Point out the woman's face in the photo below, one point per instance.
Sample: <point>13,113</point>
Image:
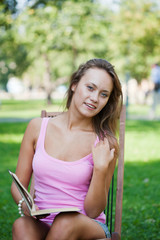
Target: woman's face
<point>92,92</point>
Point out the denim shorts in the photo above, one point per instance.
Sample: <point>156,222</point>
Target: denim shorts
<point>105,228</point>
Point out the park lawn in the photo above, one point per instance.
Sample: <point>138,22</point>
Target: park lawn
<point>27,108</point>
<point>141,206</point>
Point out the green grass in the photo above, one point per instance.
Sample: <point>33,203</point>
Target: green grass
<point>10,138</point>
<point>141,205</point>
<point>27,108</point>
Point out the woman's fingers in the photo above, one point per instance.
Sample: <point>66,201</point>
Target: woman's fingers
<point>102,154</point>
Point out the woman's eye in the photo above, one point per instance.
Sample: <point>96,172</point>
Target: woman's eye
<point>104,95</point>
<point>90,88</point>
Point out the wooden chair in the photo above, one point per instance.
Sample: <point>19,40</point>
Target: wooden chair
<point>116,234</point>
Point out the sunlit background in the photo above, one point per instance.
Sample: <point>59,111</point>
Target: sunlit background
<point>42,42</point>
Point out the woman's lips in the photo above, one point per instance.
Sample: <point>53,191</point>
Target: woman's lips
<point>90,106</point>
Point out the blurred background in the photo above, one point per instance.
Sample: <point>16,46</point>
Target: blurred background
<point>41,43</point>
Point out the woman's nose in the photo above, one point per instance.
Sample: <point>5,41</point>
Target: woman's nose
<point>94,97</point>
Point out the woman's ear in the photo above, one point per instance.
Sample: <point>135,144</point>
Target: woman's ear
<point>73,88</point>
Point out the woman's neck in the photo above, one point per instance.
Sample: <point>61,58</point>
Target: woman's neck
<point>75,121</point>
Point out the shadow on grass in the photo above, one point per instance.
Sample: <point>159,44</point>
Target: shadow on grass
<point>15,128</point>
<point>8,209</point>
<point>10,152</point>
<point>141,205</point>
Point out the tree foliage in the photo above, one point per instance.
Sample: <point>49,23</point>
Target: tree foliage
<point>9,6</point>
<point>135,37</point>
<point>49,39</point>
<point>13,52</point>
<point>59,39</point>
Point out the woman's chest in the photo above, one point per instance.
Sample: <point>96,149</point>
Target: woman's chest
<point>62,173</point>
<point>69,147</point>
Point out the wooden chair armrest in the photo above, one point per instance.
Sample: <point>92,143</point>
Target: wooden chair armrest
<point>116,236</point>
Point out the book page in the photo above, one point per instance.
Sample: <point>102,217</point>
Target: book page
<point>54,210</point>
<point>23,191</point>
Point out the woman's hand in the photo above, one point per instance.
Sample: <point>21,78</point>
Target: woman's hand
<point>102,154</point>
<point>26,211</point>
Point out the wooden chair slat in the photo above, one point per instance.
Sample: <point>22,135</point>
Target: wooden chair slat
<point>120,173</point>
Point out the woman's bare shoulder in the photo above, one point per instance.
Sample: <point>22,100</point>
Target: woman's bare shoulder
<point>33,127</point>
<point>35,123</point>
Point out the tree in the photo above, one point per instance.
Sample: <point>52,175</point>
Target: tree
<point>13,54</point>
<point>135,37</point>
<point>9,6</point>
<point>63,37</point>
<point>49,39</point>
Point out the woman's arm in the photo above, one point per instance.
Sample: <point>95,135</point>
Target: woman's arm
<point>24,165</point>
<point>104,165</point>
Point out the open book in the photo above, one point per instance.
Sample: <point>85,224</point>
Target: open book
<point>30,202</point>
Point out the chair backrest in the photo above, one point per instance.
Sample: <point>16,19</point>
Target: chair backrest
<point>116,234</point>
<point>120,176</point>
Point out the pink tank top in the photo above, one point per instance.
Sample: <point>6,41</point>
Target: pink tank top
<point>59,183</point>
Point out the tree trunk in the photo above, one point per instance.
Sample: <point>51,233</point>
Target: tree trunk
<point>48,82</point>
<point>75,53</point>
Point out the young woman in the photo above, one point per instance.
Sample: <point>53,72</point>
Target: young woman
<point>73,158</point>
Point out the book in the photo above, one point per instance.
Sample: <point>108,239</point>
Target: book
<point>30,202</point>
